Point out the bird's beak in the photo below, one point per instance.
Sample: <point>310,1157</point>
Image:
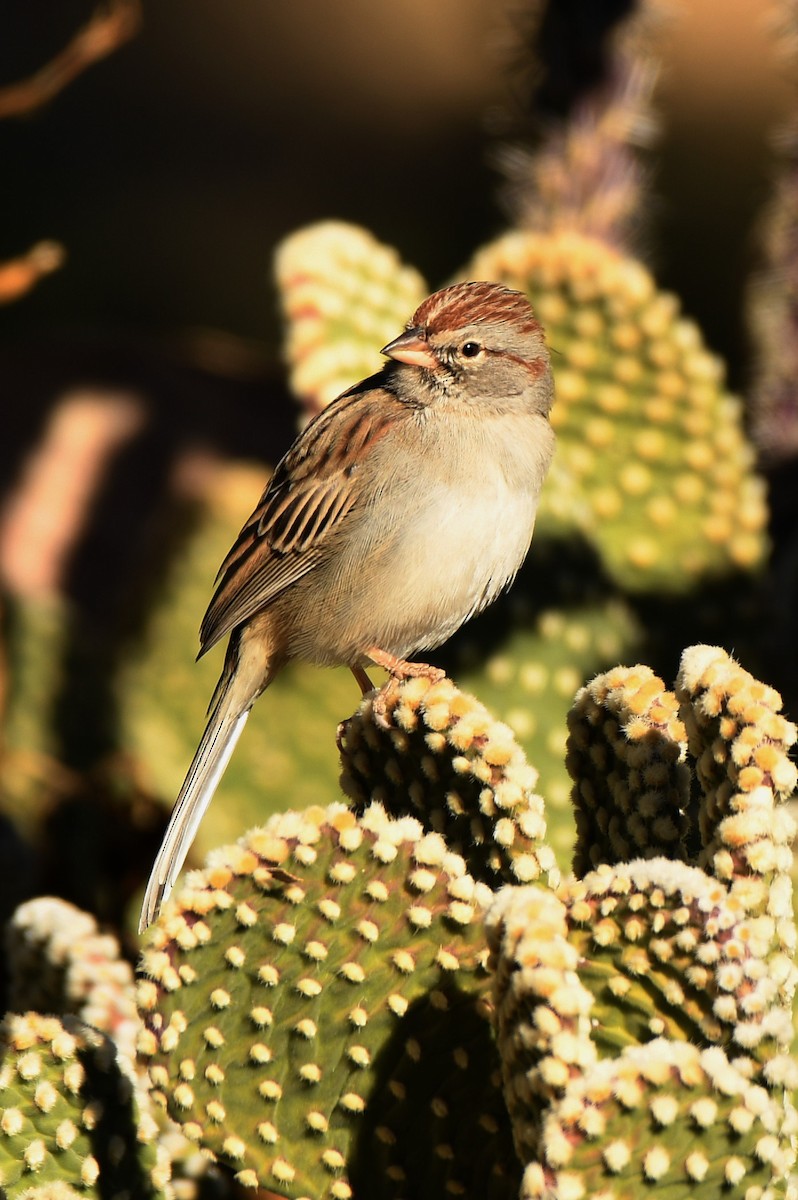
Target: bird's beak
<point>411,347</point>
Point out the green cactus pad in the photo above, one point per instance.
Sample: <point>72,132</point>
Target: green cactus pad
<point>625,754</point>
<point>434,752</point>
<point>59,962</point>
<point>69,1114</point>
<point>594,1112</point>
<point>668,951</point>
<point>664,1117</point>
<point>740,743</point>
<point>652,465</point>
<point>315,991</point>
<point>344,295</point>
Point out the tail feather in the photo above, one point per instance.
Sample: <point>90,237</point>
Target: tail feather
<point>227,719</point>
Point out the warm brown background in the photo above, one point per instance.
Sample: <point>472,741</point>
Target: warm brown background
<point>170,170</point>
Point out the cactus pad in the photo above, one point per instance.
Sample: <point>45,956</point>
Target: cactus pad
<point>436,753</point>
<point>69,1114</point>
<point>317,990</point>
<point>626,754</point>
<point>59,962</point>
<point>653,465</point>
<point>644,1012</point>
<point>344,295</point>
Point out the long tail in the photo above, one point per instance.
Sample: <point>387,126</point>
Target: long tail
<point>230,707</point>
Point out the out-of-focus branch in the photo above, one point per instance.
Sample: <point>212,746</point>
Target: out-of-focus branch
<point>110,27</point>
<point>19,275</point>
<point>773,291</point>
<point>585,174</point>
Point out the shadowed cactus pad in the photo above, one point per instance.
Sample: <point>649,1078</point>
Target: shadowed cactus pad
<point>626,751</point>
<point>69,1114</point>
<point>316,993</point>
<point>436,753</point>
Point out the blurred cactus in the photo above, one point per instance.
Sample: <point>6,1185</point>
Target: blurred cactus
<point>585,173</point>
<point>773,291</point>
<point>341,311</point>
<point>317,1000</point>
<point>163,693</point>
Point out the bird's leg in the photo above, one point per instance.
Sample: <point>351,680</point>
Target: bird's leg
<point>363,681</point>
<point>398,668</point>
<point>366,686</point>
<point>401,669</point>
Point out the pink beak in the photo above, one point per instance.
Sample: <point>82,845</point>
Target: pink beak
<point>411,347</point>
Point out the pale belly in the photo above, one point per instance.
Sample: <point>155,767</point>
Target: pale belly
<point>418,585</point>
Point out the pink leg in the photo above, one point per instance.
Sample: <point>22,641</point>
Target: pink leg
<point>397,668</point>
<point>400,669</point>
<point>363,681</point>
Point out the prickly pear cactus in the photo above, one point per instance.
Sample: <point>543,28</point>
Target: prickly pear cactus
<point>321,1013</point>
<point>344,295</point>
<point>434,752</point>
<point>317,993</point>
<point>59,962</point>
<point>644,1011</point>
<point>69,1114</point>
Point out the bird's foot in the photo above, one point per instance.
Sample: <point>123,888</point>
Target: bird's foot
<point>397,668</point>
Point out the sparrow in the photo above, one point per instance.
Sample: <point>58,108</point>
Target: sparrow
<point>401,510</point>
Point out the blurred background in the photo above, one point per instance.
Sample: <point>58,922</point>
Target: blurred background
<point>143,393</point>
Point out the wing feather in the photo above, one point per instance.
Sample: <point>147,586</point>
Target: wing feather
<point>312,491</point>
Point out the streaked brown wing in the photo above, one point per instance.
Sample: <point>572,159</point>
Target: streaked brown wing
<point>309,495</point>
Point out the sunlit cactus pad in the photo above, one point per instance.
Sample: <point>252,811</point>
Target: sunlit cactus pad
<point>344,296</point>
<point>69,1114</point>
<point>434,752</point>
<point>59,962</point>
<point>653,463</point>
<point>644,1011</point>
<point>316,992</point>
<point>741,744</point>
<point>602,1105</point>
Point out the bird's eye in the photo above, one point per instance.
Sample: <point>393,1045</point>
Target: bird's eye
<point>471,349</point>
